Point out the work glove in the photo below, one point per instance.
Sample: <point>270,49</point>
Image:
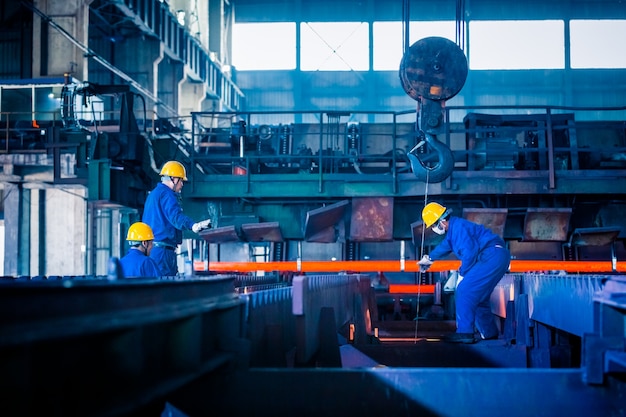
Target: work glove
<point>425,263</point>
<point>453,281</point>
<point>198,227</point>
<point>459,279</point>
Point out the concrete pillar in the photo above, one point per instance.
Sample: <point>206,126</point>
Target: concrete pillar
<point>203,22</point>
<point>190,96</point>
<point>44,230</point>
<point>211,104</point>
<point>37,228</point>
<point>136,57</point>
<point>12,216</point>
<point>53,53</point>
<point>65,231</point>
<point>170,74</point>
<point>221,19</point>
<point>17,237</point>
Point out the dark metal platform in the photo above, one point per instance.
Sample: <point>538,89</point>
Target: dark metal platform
<point>379,392</point>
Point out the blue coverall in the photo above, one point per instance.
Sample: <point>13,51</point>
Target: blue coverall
<point>164,214</point>
<point>484,261</point>
<point>136,264</point>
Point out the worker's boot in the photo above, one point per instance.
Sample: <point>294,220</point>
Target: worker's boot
<point>460,338</point>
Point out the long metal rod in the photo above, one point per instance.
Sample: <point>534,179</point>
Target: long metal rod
<point>397,266</point>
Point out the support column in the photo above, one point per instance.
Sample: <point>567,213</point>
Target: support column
<point>53,54</point>
<point>65,231</point>
<point>170,73</point>
<point>190,97</point>
<point>12,216</point>
<point>137,57</point>
<point>218,12</point>
<point>37,226</point>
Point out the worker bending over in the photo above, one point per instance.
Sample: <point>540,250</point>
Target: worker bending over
<point>484,261</point>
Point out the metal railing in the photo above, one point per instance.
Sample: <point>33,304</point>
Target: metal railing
<point>228,139</point>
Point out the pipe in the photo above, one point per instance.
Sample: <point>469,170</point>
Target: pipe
<point>516,266</point>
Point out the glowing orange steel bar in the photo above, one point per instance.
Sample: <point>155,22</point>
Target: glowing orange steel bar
<point>409,266</point>
<point>411,289</point>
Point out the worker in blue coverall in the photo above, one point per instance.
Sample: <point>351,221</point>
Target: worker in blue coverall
<point>484,261</point>
<point>163,211</point>
<point>137,262</point>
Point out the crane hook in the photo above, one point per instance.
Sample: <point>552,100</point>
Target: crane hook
<point>432,70</point>
<point>435,164</point>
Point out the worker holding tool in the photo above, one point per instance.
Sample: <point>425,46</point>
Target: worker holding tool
<point>484,261</point>
<point>137,262</point>
<point>164,213</point>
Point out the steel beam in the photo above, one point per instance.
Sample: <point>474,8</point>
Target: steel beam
<point>87,346</point>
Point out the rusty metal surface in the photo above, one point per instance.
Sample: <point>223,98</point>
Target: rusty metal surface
<point>371,219</point>
<point>594,236</point>
<point>221,235</point>
<point>434,68</point>
<point>492,218</point>
<point>262,232</point>
<point>613,215</point>
<point>547,224</point>
<point>326,224</point>
<point>536,250</point>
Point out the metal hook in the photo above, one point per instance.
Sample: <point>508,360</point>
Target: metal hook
<point>423,169</point>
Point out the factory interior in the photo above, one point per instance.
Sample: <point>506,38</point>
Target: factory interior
<point>314,134</point>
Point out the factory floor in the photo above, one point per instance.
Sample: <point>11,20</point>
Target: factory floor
<point>419,344</point>
<point>399,373</point>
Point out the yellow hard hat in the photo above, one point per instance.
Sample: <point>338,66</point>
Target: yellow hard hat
<point>138,232</point>
<point>432,213</point>
<point>174,169</point>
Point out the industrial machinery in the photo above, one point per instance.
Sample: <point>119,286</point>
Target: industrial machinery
<point>326,144</point>
<point>111,147</point>
<point>93,126</point>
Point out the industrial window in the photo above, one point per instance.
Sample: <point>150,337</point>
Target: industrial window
<point>597,43</point>
<point>516,44</point>
<point>388,40</point>
<point>334,46</point>
<point>264,46</point>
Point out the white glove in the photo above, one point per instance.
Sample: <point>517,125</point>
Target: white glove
<point>459,279</point>
<point>205,224</point>
<point>425,263</point>
<point>453,281</point>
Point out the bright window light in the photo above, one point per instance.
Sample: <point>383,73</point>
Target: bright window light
<point>388,46</point>
<point>264,46</point>
<point>516,44</point>
<point>597,43</point>
<point>334,46</point>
